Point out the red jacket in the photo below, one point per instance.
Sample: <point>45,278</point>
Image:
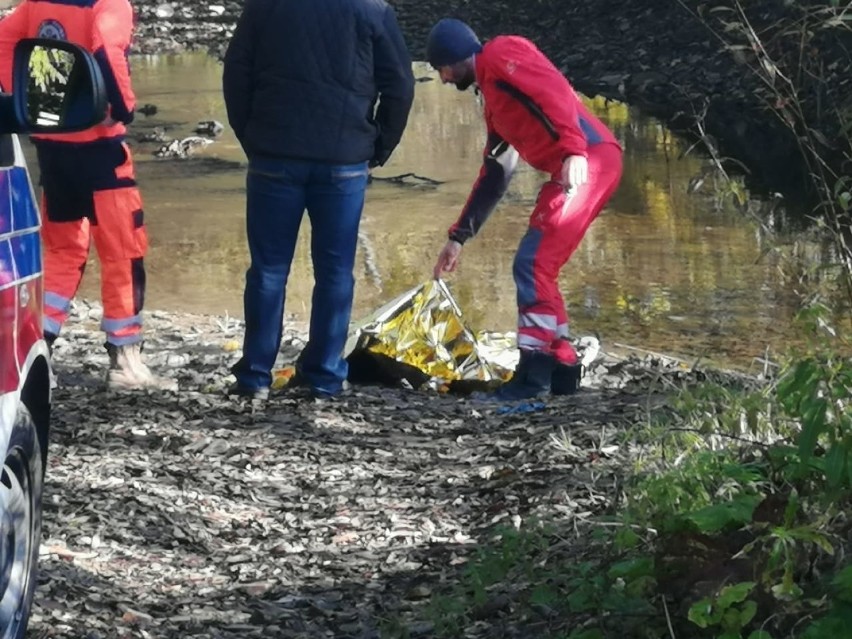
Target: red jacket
<point>531,106</point>
<point>103,27</point>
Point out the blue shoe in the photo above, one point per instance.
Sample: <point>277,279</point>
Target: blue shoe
<point>521,408</point>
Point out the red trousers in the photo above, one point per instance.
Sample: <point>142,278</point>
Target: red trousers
<point>114,220</point>
<point>556,226</point>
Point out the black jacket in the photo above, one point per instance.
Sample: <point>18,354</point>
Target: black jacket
<point>323,80</point>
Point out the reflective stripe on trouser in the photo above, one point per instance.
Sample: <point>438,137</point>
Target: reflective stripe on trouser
<point>120,240</point>
<point>556,227</point>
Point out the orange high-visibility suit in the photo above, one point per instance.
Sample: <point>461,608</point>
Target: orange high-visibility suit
<point>88,180</point>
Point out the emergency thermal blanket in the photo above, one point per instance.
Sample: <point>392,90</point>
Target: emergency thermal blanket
<point>424,330</point>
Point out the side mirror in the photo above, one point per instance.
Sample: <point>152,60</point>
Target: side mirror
<point>58,87</point>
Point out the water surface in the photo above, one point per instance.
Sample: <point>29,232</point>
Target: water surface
<point>660,269</point>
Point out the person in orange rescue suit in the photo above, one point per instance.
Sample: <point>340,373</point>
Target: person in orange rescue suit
<point>88,182</point>
<point>531,111</point>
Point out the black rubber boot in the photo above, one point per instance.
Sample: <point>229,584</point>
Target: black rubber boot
<point>532,377</point>
<point>49,338</point>
<point>566,379</point>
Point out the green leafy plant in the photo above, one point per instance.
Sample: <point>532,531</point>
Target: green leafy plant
<point>816,392</point>
<point>708,490</point>
<point>839,618</point>
<point>731,610</point>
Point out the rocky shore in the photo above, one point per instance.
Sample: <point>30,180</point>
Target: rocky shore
<point>190,514</point>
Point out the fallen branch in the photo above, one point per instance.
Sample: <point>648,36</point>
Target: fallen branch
<point>406,180</point>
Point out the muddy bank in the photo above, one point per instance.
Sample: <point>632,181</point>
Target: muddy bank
<point>657,56</point>
<point>191,515</point>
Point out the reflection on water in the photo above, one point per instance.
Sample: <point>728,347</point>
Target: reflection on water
<point>659,268</point>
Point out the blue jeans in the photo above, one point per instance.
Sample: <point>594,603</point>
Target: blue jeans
<point>277,194</point>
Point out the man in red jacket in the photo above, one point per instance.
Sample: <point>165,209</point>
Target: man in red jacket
<point>531,111</point>
<point>89,183</point>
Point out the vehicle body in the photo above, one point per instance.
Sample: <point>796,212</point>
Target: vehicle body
<point>77,100</point>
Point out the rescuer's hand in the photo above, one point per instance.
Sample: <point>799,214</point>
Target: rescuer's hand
<point>448,260</point>
<point>575,171</point>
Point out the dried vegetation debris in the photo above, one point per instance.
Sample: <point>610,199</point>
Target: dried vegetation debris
<point>194,515</point>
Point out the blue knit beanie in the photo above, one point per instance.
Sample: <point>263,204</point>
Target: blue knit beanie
<point>450,41</point>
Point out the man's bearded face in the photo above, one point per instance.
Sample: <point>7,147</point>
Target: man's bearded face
<point>461,74</point>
